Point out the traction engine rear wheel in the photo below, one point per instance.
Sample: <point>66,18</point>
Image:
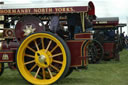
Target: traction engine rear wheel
<point>43,58</point>
<point>1,68</point>
<point>95,51</point>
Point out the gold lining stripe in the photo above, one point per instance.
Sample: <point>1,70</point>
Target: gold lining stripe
<point>82,34</point>
<point>103,26</point>
<point>6,52</point>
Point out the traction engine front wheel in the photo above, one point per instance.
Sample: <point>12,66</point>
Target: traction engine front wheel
<point>43,58</point>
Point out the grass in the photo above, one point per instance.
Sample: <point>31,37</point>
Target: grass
<point>106,73</point>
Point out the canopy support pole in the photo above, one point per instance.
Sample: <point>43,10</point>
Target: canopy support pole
<point>83,21</point>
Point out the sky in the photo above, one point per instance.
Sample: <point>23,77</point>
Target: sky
<point>113,8</point>
<point>104,8</point>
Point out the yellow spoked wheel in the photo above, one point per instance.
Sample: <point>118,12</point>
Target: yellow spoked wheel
<point>1,68</point>
<point>43,58</point>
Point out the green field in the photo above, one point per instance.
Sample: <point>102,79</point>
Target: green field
<point>106,73</point>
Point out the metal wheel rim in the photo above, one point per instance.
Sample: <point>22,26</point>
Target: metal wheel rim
<point>27,73</point>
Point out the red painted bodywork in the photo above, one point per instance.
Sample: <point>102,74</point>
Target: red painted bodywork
<point>76,52</point>
<point>83,36</point>
<point>9,49</point>
<point>9,46</point>
<point>10,54</point>
<point>109,50</point>
<point>27,21</point>
<point>78,49</point>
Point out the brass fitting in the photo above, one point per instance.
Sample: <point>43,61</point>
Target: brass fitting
<point>0,45</point>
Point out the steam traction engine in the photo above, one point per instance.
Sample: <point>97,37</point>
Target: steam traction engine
<point>41,56</point>
<point>107,33</point>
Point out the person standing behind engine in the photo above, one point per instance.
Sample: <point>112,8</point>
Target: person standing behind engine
<point>88,25</point>
<point>54,23</point>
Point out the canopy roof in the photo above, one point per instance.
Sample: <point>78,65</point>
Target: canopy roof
<point>13,7</point>
<point>106,22</point>
<point>107,19</point>
<point>17,4</point>
<point>122,25</point>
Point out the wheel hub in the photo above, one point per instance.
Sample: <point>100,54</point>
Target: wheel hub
<point>42,58</point>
